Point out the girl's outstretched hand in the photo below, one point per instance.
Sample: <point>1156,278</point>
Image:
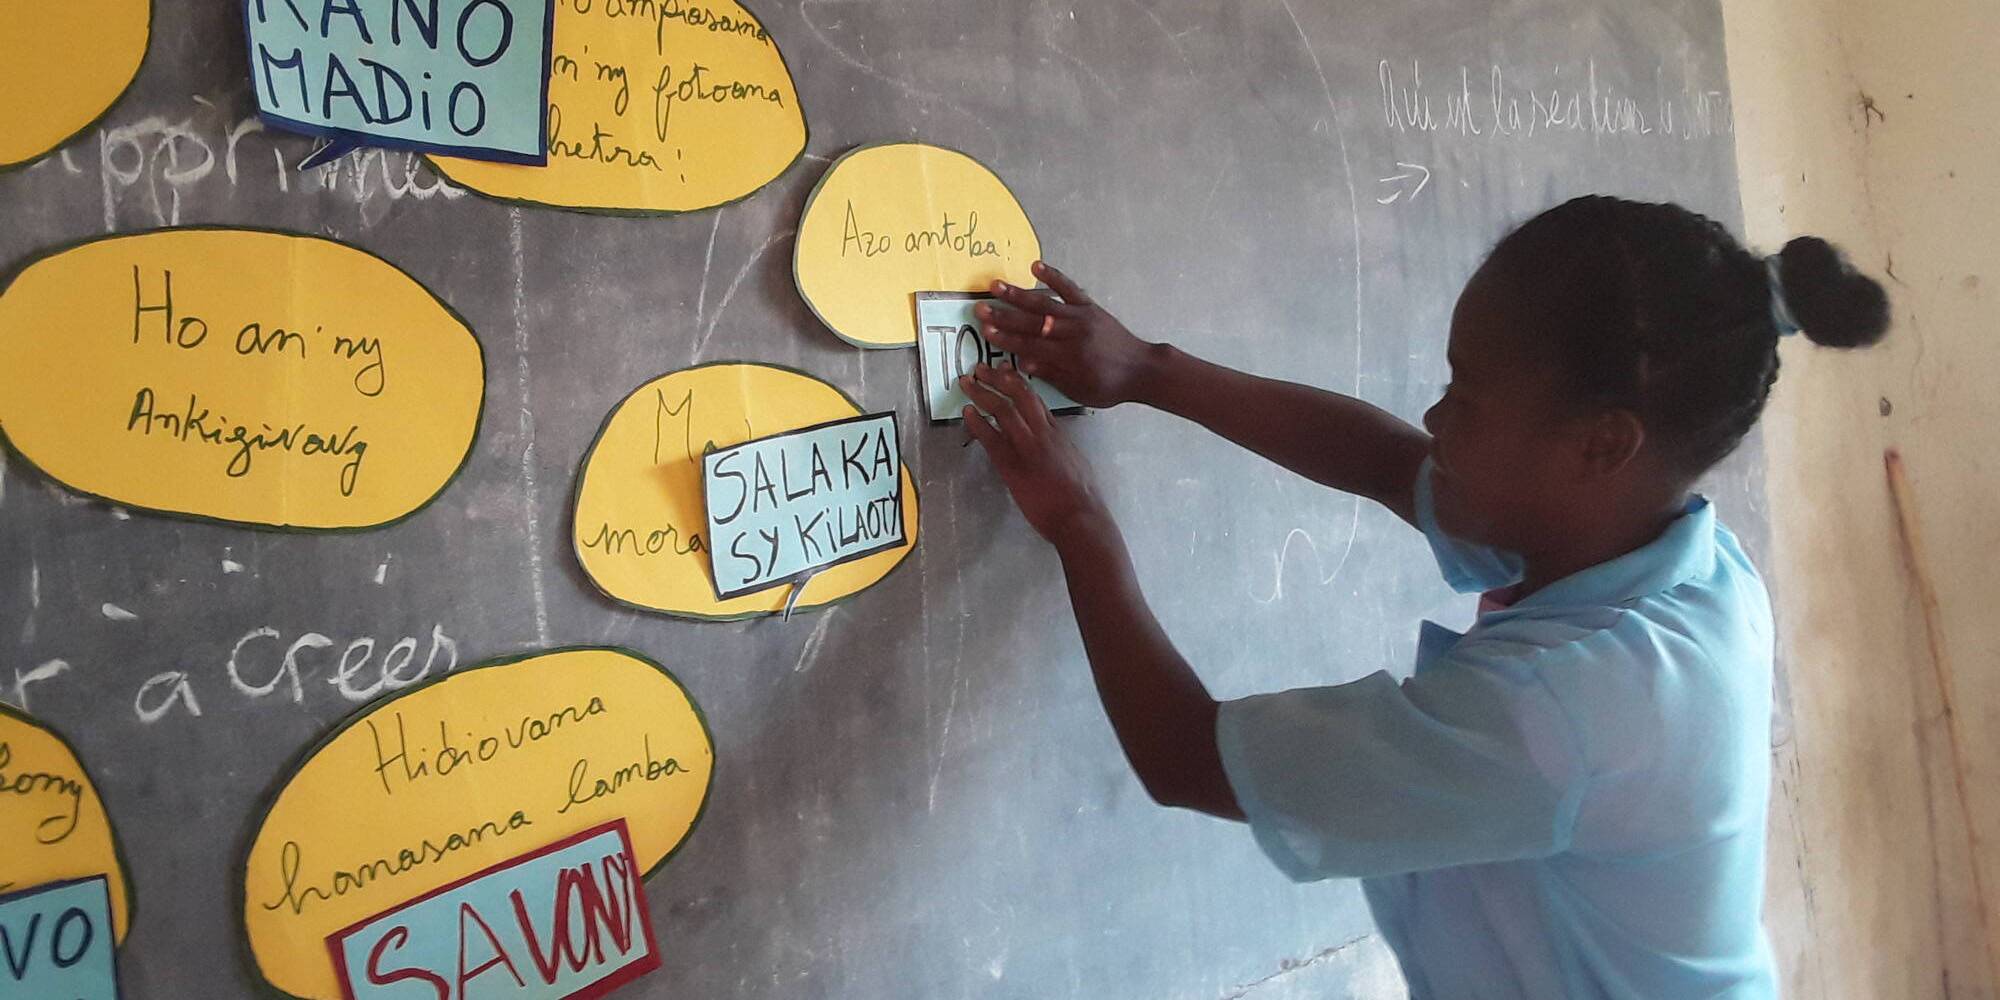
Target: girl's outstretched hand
<point>1070,341</point>
<point>1044,472</point>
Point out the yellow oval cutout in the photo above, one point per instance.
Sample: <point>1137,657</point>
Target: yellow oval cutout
<point>889,221</point>
<point>239,375</point>
<point>62,66</point>
<point>448,778</point>
<point>52,823</point>
<point>639,528</point>
<point>654,107</point>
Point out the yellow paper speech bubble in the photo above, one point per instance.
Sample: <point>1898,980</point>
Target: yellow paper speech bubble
<point>52,823</point>
<point>240,375</point>
<point>62,66</point>
<point>889,221</point>
<point>640,527</point>
<point>457,774</point>
<point>654,106</point>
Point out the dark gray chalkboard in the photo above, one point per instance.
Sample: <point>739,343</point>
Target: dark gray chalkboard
<point>917,793</point>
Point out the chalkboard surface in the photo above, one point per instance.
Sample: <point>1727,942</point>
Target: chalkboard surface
<point>915,791</point>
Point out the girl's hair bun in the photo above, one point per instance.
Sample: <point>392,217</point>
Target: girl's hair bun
<point>1835,305</point>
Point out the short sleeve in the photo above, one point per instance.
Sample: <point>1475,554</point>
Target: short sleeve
<point>1471,761</point>
<point>1469,568</point>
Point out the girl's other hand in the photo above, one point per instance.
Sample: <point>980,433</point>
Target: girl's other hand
<point>1046,475</point>
<point>1071,342</point>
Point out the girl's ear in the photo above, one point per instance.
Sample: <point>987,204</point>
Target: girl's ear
<point>1611,439</point>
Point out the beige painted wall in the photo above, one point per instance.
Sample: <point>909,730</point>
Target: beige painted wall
<point>1872,123</point>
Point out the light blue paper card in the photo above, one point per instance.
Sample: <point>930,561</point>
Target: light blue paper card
<point>783,507</point>
<point>568,920</point>
<point>56,940</point>
<point>950,344</point>
<point>465,77</point>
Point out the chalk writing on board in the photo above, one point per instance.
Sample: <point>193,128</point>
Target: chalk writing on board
<point>465,76</point>
<point>238,375</point>
<point>1411,181</point>
<point>58,942</point>
<point>1498,102</point>
<point>265,663</point>
<point>793,503</point>
<point>565,920</point>
<point>146,168</point>
<point>363,669</point>
<point>445,780</point>
<point>950,346</point>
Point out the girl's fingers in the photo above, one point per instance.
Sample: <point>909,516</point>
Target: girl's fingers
<point>1009,319</point>
<point>1071,292</point>
<point>1064,328</point>
<point>995,446</point>
<point>1027,403</point>
<point>1026,346</point>
<point>1030,300</point>
<point>995,405</point>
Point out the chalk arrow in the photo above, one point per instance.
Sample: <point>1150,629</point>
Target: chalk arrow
<point>1421,173</point>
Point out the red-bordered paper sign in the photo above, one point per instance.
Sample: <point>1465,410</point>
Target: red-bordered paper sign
<point>565,922</point>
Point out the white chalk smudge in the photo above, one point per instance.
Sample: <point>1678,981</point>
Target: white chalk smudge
<point>117,614</point>
<point>1285,551</point>
<point>707,264</point>
<point>47,670</point>
<point>958,653</point>
<point>531,506</point>
<point>1354,225</point>
<point>730,292</point>
<point>813,641</point>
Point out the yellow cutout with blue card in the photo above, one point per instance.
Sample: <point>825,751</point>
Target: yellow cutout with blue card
<point>453,76</point>
<point>564,921</point>
<point>640,529</point>
<point>783,507</point>
<point>54,827</point>
<point>654,107</point>
<point>440,783</point>
<point>56,941</point>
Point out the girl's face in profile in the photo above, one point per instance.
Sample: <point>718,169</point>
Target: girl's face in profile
<point>1503,446</point>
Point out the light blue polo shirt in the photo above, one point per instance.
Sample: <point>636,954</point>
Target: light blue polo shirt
<point>1566,801</point>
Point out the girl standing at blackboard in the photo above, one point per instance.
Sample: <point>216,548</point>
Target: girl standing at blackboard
<point>1568,799</point>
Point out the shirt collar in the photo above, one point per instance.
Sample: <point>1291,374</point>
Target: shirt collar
<point>1682,552</point>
